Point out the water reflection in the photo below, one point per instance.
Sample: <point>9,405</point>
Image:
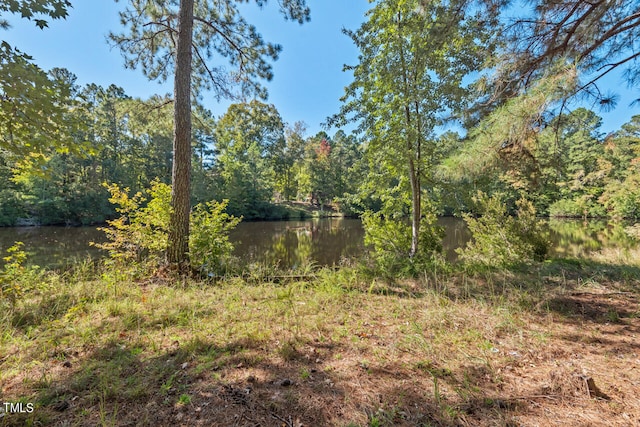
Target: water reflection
<point>456,235</point>
<point>294,244</point>
<point>576,239</point>
<point>53,246</point>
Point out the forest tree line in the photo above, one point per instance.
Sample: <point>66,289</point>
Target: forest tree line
<point>514,84</point>
<point>248,156</point>
<point>256,161</point>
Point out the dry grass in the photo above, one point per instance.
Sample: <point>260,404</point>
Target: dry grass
<point>557,345</point>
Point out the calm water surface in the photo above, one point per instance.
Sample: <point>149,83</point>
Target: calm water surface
<point>291,244</point>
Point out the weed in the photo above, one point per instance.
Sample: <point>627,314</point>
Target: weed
<point>436,390</point>
<point>167,386</point>
<point>106,419</point>
<point>305,374</point>
<point>384,416</point>
<point>184,399</point>
<point>288,351</point>
<point>613,316</point>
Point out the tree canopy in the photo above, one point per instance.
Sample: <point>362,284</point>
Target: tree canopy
<point>33,104</point>
<point>221,36</point>
<point>37,11</point>
<point>595,37</point>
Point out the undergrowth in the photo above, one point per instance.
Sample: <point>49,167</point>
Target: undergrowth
<point>113,339</point>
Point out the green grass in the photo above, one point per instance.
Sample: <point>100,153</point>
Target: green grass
<point>113,340</point>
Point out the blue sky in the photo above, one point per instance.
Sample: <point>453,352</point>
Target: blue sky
<point>308,78</point>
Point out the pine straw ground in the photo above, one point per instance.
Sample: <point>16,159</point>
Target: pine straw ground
<point>556,345</point>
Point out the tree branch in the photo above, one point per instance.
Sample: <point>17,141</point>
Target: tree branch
<point>214,80</point>
<point>612,32</point>
<point>231,43</point>
<point>611,66</point>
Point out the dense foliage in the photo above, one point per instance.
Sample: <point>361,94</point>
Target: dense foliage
<point>568,168</point>
<point>502,240</point>
<point>141,232</point>
<point>403,86</point>
<point>253,162</point>
<point>520,132</point>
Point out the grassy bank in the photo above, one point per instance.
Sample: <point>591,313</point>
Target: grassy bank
<point>553,345</point>
<point>302,210</point>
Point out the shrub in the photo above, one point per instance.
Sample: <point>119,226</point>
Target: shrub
<point>209,245</point>
<point>581,207</point>
<point>141,232</point>
<point>10,289</point>
<point>390,241</point>
<point>15,278</point>
<point>500,240</point>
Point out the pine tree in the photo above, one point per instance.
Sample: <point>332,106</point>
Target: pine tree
<point>192,39</point>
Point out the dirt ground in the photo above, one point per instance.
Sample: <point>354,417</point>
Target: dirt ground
<point>573,359</point>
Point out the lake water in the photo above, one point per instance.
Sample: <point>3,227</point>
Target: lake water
<point>294,243</point>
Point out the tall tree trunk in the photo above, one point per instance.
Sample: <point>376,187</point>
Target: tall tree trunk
<point>412,158</point>
<point>416,190</point>
<point>178,245</point>
<point>416,213</point>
